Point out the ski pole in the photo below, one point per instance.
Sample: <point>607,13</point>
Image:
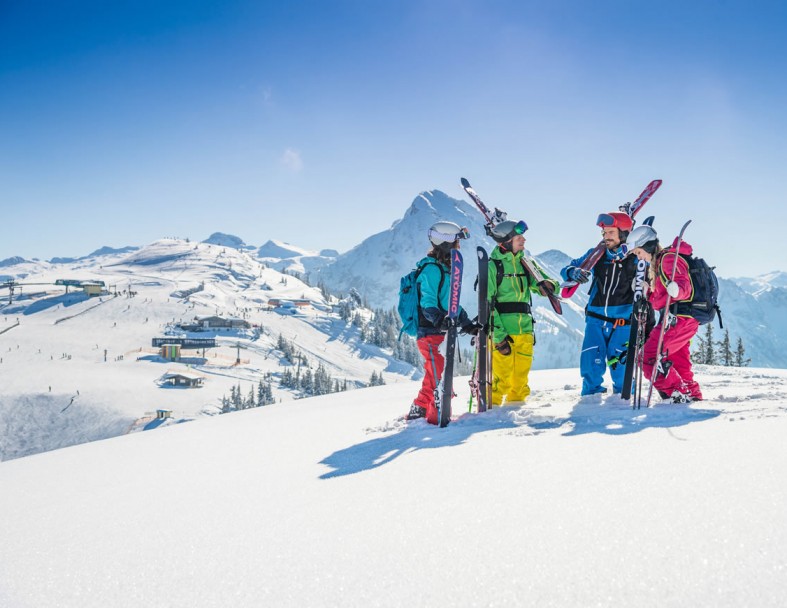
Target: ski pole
<point>666,317</point>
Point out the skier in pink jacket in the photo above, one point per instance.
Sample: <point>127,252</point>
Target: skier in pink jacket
<point>675,378</point>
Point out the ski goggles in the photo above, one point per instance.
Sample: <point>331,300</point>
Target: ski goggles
<point>520,227</point>
<point>511,230</point>
<point>463,233</point>
<point>605,220</point>
<point>614,220</point>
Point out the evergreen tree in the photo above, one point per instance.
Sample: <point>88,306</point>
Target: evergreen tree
<point>697,355</point>
<point>264,392</point>
<point>287,380</point>
<point>345,310</point>
<point>306,383</point>
<point>725,354</point>
<point>709,354</point>
<point>322,380</point>
<point>238,398</point>
<point>376,379</point>
<point>740,355</point>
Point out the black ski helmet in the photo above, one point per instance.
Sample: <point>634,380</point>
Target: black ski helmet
<point>505,231</point>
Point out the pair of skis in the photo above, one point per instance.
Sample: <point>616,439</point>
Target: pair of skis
<point>445,388</point>
<point>479,384</point>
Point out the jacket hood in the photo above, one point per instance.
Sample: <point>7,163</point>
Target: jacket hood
<point>685,248</point>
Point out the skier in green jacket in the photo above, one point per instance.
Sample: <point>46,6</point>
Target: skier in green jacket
<point>510,293</point>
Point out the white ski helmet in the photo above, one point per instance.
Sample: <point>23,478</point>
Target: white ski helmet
<point>446,233</point>
<point>643,236</point>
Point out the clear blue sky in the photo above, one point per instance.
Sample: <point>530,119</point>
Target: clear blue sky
<point>318,122</point>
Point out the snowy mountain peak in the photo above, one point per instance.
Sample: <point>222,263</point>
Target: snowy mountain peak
<point>437,205</point>
<point>226,240</point>
<point>281,250</point>
<point>763,283</point>
<point>13,261</point>
<point>106,250</point>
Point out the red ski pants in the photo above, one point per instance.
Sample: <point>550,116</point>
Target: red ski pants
<point>676,346</point>
<point>434,363</point>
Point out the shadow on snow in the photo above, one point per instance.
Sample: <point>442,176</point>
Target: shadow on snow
<point>622,420</point>
<point>584,418</point>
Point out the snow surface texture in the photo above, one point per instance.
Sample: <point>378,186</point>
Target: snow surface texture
<point>335,501</point>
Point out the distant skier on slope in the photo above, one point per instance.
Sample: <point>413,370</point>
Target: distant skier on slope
<point>510,293</point>
<point>675,379</point>
<point>608,312</point>
<point>433,289</point>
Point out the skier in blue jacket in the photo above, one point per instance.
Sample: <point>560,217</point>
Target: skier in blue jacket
<point>608,313</point>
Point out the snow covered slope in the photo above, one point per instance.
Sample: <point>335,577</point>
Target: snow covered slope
<point>75,368</point>
<point>333,501</point>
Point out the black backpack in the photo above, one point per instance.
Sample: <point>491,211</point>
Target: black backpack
<point>703,305</point>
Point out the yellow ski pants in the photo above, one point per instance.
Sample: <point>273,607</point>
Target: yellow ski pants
<point>510,372</point>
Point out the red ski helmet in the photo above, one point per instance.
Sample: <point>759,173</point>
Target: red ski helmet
<point>616,219</point>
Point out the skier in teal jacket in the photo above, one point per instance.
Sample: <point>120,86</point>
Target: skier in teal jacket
<point>433,294</point>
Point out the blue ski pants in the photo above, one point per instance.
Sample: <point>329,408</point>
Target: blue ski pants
<point>603,341</point>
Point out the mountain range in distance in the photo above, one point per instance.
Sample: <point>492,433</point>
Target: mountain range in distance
<point>753,307</point>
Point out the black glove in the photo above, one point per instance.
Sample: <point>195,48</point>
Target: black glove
<point>504,346</point>
<point>445,323</point>
<point>580,275</point>
<point>472,328</point>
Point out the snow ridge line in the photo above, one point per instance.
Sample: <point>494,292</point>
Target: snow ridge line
<point>60,320</point>
<point>9,328</point>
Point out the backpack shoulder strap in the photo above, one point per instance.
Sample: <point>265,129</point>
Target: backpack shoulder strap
<point>663,273</point>
<point>439,287</point>
<point>500,270</point>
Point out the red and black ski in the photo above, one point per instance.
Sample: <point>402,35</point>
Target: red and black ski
<point>492,219</point>
<point>569,287</point>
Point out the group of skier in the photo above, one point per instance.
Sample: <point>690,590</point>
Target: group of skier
<point>608,314</point>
